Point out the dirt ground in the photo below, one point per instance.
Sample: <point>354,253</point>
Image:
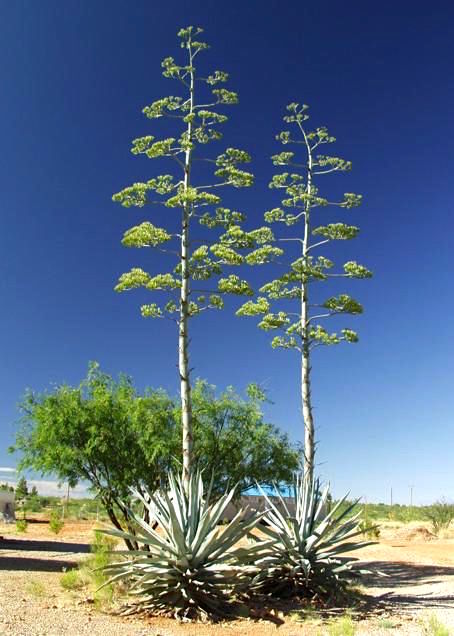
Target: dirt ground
<point>419,584</point>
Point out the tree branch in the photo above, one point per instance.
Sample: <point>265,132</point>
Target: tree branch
<point>318,244</point>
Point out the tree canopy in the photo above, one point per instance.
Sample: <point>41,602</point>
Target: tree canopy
<point>106,433</point>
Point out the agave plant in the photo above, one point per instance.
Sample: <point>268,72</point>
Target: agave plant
<point>188,565</point>
<point>306,555</point>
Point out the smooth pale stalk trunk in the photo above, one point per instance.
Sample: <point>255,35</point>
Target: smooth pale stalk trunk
<point>183,339</point>
<point>309,434</point>
<point>306,399</point>
<point>183,364</point>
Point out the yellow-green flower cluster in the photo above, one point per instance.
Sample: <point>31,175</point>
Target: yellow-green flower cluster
<point>145,235</point>
<point>336,231</point>
<point>234,285</point>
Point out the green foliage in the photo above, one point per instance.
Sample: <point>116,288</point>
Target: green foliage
<point>102,554</point>
<point>320,335</point>
<point>299,199</point>
<point>369,529</point>
<point>263,255</point>
<point>89,573</point>
<point>33,503</point>
<point>196,116</point>
<point>222,217</point>
<point>376,512</point>
<point>234,285</point>
<point>21,525</point>
<point>36,589</point>
<point>353,270</point>
<point>325,161</point>
<point>21,489</point>
<point>343,626</point>
<point>192,568</point>
<point>91,431</point>
<point>307,554</point>
<point>251,308</point>
<point>71,580</point>
<point>145,235</point>
<point>440,515</point>
<point>133,279</point>
<point>56,522</point>
<point>274,321</point>
<point>151,311</point>
<point>235,445</point>
<point>336,231</point>
<point>433,627</point>
<point>343,304</point>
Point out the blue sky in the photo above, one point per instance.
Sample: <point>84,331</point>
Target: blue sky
<point>75,77</point>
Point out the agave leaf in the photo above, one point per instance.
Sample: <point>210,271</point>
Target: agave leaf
<point>176,496</point>
<point>306,548</point>
<point>175,526</point>
<point>322,502</point>
<point>153,539</point>
<point>193,567</point>
<point>214,544</point>
<point>130,553</point>
<point>209,521</point>
<point>117,577</point>
<point>274,516</point>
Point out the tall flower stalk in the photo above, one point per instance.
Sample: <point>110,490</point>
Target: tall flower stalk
<point>197,260</point>
<point>301,329</point>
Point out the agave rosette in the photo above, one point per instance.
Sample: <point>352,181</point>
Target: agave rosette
<point>307,552</point>
<point>188,565</point>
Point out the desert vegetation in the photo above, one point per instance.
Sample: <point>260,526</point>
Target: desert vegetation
<point>165,472</point>
<point>167,504</point>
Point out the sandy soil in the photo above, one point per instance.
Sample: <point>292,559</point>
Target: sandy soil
<point>419,582</point>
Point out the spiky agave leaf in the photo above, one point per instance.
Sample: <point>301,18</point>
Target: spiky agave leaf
<point>307,553</point>
<point>192,567</point>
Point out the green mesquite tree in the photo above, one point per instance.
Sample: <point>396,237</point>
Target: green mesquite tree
<point>197,117</point>
<point>300,329</point>
<point>22,489</point>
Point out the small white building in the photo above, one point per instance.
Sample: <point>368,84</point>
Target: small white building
<point>7,506</point>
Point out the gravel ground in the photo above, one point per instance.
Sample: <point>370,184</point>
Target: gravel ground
<point>419,583</point>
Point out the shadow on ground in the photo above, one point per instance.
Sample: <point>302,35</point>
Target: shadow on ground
<point>401,581</point>
<point>11,560</point>
<point>29,545</point>
<point>25,564</point>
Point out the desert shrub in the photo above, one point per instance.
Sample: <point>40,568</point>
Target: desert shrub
<point>369,529</point>
<point>440,515</point>
<point>21,525</point>
<point>36,589</point>
<point>433,627</point>
<point>343,626</point>
<point>91,570</point>
<point>56,523</point>
<point>33,504</point>
<point>90,573</point>
<point>101,552</point>
<point>72,580</point>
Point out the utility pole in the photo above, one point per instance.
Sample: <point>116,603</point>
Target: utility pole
<point>391,498</point>
<point>411,495</point>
